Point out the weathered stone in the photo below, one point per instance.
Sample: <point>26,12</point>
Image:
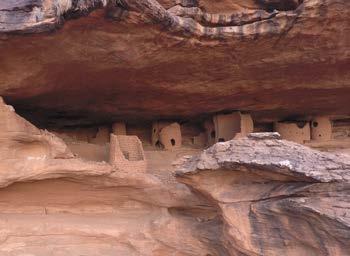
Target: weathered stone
<point>97,66</point>
<point>275,197</point>
<point>53,203</point>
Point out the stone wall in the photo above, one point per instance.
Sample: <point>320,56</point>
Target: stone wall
<point>126,152</point>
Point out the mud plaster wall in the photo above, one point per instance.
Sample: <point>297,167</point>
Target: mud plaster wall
<point>131,147</point>
<point>227,126</point>
<point>170,136</point>
<point>142,131</point>
<point>293,132</point>
<point>126,152</point>
<point>247,124</point>
<point>321,128</point>
<point>224,127</point>
<point>76,134</point>
<point>102,135</point>
<point>190,130</point>
<point>156,128</point>
<point>200,140</point>
<point>210,132</point>
<point>89,151</point>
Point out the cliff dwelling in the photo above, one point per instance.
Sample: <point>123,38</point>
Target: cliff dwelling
<point>294,131</point>
<point>174,127</point>
<point>228,126</point>
<point>126,152</point>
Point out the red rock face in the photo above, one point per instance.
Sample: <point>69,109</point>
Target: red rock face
<point>253,195</point>
<point>75,66</point>
<point>95,69</point>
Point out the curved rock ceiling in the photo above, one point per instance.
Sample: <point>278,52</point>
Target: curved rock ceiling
<point>143,60</point>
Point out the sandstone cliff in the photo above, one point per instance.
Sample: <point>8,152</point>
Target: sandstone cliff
<point>107,146</point>
<point>275,197</point>
<point>151,59</point>
<point>252,196</point>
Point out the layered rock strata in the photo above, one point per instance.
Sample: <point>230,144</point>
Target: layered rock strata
<point>151,60</point>
<point>257,195</point>
<point>275,197</point>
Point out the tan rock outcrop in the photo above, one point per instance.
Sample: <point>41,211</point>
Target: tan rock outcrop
<point>20,139</point>
<point>255,195</point>
<point>53,203</point>
<point>143,60</point>
<point>275,197</point>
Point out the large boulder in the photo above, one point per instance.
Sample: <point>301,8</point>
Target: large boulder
<point>275,197</point>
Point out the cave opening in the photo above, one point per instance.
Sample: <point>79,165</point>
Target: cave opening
<point>279,5</point>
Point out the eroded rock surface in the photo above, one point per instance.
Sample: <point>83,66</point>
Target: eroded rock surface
<point>53,203</point>
<point>257,195</point>
<point>144,60</point>
<point>275,197</point>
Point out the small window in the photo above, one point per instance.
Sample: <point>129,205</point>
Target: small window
<point>172,142</point>
<point>314,124</point>
<point>212,134</point>
<point>221,140</point>
<point>301,124</point>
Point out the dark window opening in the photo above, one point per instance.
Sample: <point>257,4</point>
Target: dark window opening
<point>314,124</point>
<point>212,134</point>
<point>154,130</point>
<point>126,155</point>
<point>159,145</point>
<point>172,142</point>
<point>301,124</point>
<point>221,140</point>
<point>280,5</point>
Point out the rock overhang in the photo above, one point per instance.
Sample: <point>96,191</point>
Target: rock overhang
<point>95,68</point>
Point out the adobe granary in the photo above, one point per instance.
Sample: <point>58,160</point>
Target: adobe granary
<point>166,135</point>
<point>126,152</point>
<point>321,128</point>
<point>170,136</point>
<point>156,128</point>
<point>229,126</point>
<point>200,140</point>
<point>293,130</point>
<point>210,132</point>
<point>119,128</point>
<point>102,135</point>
